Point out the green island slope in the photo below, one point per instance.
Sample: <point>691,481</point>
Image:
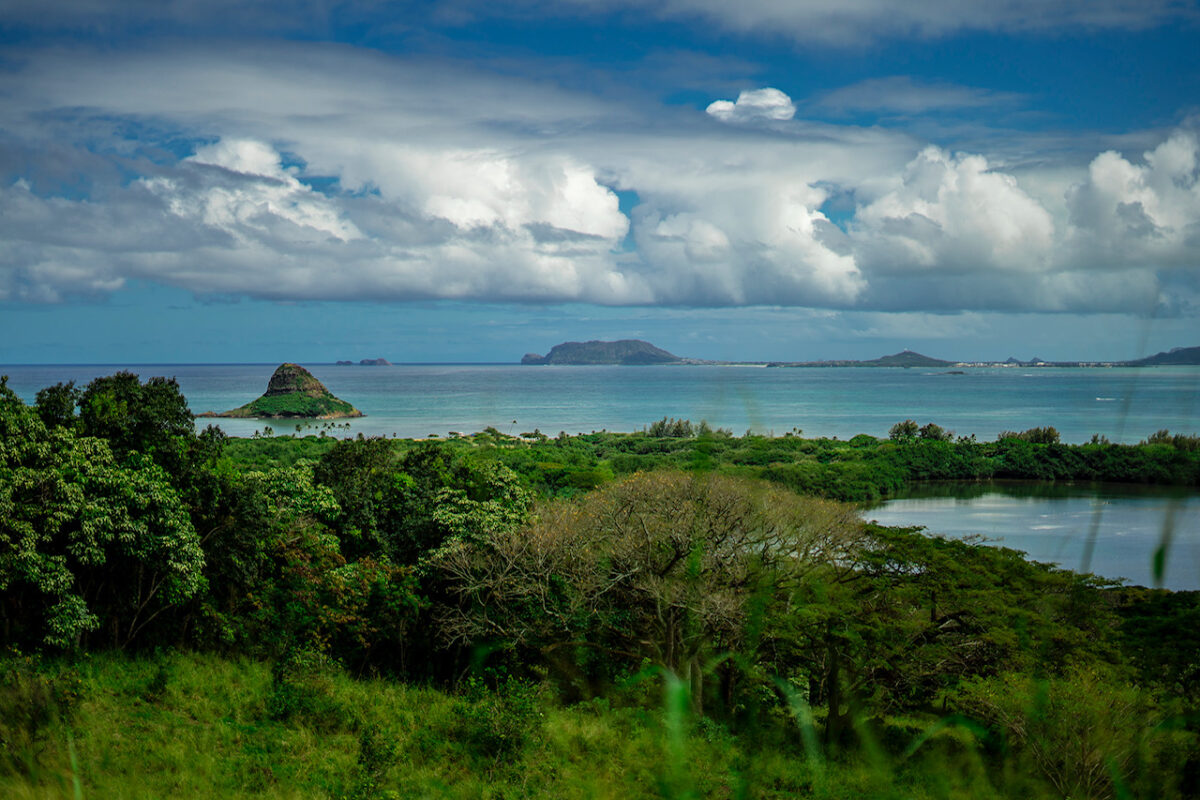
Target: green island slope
<point>293,392</point>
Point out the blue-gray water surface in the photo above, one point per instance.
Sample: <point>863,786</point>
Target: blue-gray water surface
<point>1108,530</point>
<point>1124,404</point>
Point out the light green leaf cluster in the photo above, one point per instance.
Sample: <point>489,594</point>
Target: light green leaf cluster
<point>469,519</point>
<point>291,493</point>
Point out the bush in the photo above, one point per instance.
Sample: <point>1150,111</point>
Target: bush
<point>32,700</point>
<point>905,431</point>
<point>377,752</point>
<point>497,723</point>
<point>1047,435</point>
<point>935,432</point>
<point>1086,734</point>
<point>303,689</point>
<point>1179,441</point>
<point>672,429</point>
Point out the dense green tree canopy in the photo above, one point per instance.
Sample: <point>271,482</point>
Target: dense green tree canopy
<point>86,544</point>
<point>151,418</point>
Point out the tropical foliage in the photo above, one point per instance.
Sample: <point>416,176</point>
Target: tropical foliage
<point>496,610</point>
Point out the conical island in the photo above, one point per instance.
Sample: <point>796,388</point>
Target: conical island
<point>293,392</point>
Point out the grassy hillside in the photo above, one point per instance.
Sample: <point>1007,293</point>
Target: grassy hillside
<point>596,616</point>
<point>202,726</point>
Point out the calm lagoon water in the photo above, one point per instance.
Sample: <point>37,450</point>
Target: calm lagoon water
<point>1108,530</point>
<point>1126,405</point>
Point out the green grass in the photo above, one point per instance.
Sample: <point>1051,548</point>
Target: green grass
<point>197,726</point>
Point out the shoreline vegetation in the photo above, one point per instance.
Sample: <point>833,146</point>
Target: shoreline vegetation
<point>677,612</point>
<point>862,469</point>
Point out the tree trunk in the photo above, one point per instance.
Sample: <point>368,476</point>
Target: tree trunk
<point>833,693</point>
<point>697,684</point>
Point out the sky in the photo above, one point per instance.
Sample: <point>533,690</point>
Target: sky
<point>200,181</point>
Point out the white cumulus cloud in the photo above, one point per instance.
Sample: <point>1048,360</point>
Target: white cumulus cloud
<point>754,104</point>
<point>952,213</point>
<point>326,173</point>
<point>1128,213</point>
<point>259,199</point>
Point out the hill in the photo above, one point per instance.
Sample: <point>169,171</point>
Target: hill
<point>293,392</point>
<point>625,351</point>
<point>1179,356</point>
<point>907,358</point>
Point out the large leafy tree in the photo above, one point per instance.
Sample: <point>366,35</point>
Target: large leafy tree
<point>88,546</point>
<point>405,507</point>
<point>56,404</point>
<point>151,418</point>
<point>279,577</point>
<point>672,569</point>
<point>710,576</point>
<point>899,625</point>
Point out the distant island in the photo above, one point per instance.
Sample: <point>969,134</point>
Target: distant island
<point>905,358</point>
<point>625,351</point>
<point>1179,356</point>
<point>367,362</point>
<point>638,352</point>
<point>293,392</point>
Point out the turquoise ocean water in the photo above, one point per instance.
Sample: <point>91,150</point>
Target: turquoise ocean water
<point>1126,405</point>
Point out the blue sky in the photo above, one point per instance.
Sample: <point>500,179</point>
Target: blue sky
<point>214,181</point>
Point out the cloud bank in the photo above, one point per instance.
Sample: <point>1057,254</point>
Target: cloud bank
<point>326,173</point>
<point>858,21</point>
<point>900,94</point>
<point>838,22</point>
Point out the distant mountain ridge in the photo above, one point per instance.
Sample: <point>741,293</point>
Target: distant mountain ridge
<point>624,351</point>
<point>637,351</point>
<point>1179,356</point>
<point>905,358</point>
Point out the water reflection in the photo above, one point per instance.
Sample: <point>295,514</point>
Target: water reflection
<point>1114,531</point>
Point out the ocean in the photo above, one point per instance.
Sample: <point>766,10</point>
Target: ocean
<point>419,400</point>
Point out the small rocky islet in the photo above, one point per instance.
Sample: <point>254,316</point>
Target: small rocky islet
<point>292,393</point>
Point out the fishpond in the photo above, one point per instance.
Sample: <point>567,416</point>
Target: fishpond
<point>1113,531</point>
